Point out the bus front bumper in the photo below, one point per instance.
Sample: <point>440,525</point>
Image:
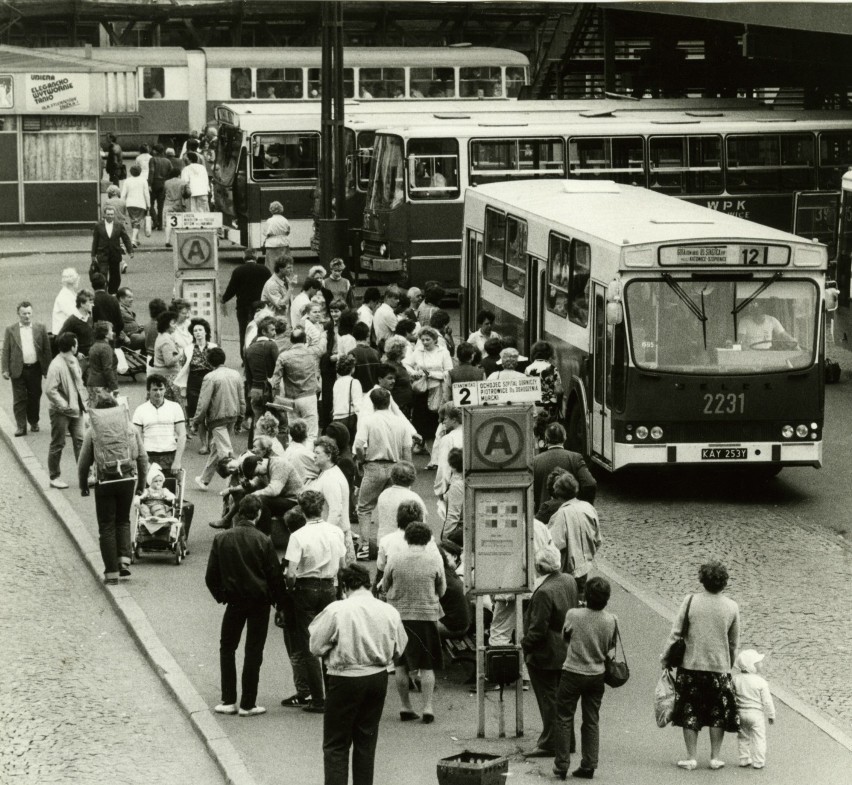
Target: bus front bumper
<point>801,453</point>
<point>381,264</point>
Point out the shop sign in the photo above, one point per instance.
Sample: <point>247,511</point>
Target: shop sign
<point>57,92</point>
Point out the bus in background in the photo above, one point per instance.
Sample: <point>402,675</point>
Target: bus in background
<point>179,89</point>
<point>682,335</point>
<point>844,240</point>
<point>777,168</point>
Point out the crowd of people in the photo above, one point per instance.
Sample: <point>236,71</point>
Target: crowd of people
<point>336,400</point>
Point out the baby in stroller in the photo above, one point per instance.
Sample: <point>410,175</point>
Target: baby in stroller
<point>159,519</point>
<point>156,501</point>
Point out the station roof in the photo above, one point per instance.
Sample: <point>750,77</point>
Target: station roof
<point>16,59</point>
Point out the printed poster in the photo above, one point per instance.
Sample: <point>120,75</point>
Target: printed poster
<point>57,92</point>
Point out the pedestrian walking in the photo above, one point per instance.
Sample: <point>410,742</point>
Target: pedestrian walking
<point>166,361</point>
<point>754,706</point>
<point>367,359</point>
<point>114,160</point>
<point>555,455</point>
<point>385,318</point>
<point>333,486</point>
<point>162,426</point>
<point>67,397</point>
<point>196,366</point>
<point>544,647</point>
<point>708,623</point>
<point>197,182</point>
<point>315,554</point>
<point>159,171</point>
<point>275,238</point>
<point>137,197</point>
<point>114,448</point>
<point>358,637</point>
<point>25,360</point>
<point>431,363</point>
<point>115,201</point>
<point>108,237</point>
<point>221,405</point>
<point>65,303</point>
<point>79,324</point>
<point>244,574</point>
<point>173,201</point>
<point>246,284</point>
<point>296,370</point>
<point>591,635</point>
<point>105,307</point>
<point>402,477</point>
<point>102,364</point>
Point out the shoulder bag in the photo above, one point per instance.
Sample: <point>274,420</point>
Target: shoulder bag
<point>674,656</point>
<point>616,673</point>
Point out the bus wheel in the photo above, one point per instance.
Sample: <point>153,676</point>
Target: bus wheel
<point>577,430</point>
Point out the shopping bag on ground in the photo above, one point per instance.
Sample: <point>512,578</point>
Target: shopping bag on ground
<point>664,698</point>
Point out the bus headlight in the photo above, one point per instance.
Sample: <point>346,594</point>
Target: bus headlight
<point>383,250</point>
<point>802,431</point>
<point>641,432</point>
<point>363,246</point>
<point>787,431</point>
<point>656,432</point>
<point>814,426</point>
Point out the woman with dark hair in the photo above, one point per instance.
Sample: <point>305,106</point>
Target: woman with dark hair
<point>182,310</point>
<point>440,321</point>
<point>166,360</point>
<point>155,308</point>
<point>345,340</point>
<point>541,366</point>
<point>709,625</point>
<point>328,361</point>
<point>195,367</point>
<point>590,633</point>
<point>432,297</point>
<point>396,349</point>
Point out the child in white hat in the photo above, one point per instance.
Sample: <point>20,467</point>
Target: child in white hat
<point>754,705</point>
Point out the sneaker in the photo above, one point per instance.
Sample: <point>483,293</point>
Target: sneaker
<point>58,482</point>
<point>744,764</point>
<point>583,774</point>
<point>124,572</point>
<point>253,712</point>
<point>296,701</point>
<point>717,764</point>
<point>363,552</point>
<point>689,765</point>
<point>226,708</point>
<point>200,485</point>
<point>34,427</point>
<point>123,267</point>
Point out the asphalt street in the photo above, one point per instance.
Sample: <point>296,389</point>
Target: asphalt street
<point>790,574</point>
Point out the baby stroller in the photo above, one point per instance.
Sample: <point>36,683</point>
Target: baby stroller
<point>163,534</point>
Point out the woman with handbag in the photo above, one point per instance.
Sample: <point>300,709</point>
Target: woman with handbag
<point>431,363</point>
<point>591,634</point>
<point>703,646</point>
<point>195,367</point>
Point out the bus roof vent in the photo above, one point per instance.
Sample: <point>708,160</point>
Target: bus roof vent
<point>705,114</point>
<point>451,116</point>
<point>597,113</point>
<point>675,122</point>
<point>591,187</point>
<point>505,124</point>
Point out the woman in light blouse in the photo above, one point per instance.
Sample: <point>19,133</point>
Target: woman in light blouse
<point>432,361</point>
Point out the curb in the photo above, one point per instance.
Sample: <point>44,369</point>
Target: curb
<point>779,690</point>
<point>133,617</point>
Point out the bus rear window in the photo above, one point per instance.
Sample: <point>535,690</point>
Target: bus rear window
<point>516,78</point>
<point>432,83</point>
<point>285,156</point>
<point>481,82</point>
<point>433,169</point>
<point>685,164</point>
<point>770,162</point>
<point>494,160</point>
<point>275,83</point>
<point>381,83</point>
<point>619,158</point>
<point>153,83</point>
<point>315,82</point>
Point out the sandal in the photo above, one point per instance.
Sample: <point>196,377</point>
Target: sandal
<point>296,701</point>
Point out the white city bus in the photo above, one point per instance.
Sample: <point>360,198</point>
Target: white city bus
<point>682,335</point>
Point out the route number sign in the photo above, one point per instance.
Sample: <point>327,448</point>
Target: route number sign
<point>195,220</point>
<point>497,391</point>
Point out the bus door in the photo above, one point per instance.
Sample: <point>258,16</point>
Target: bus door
<point>600,426</point>
<point>536,288</point>
<point>472,303</point>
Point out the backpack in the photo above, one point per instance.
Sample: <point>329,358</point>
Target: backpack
<point>113,443</point>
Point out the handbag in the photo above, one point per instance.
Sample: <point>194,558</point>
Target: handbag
<point>420,384</point>
<point>436,397</point>
<point>673,658</point>
<point>664,699</point>
<point>149,225</point>
<point>616,673</point>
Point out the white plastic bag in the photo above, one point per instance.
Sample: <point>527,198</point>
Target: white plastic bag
<point>664,698</point>
<point>149,225</point>
<point>121,366</point>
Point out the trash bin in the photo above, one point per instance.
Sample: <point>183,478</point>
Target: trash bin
<point>473,768</point>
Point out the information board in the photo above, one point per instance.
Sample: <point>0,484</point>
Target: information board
<point>497,391</point>
<point>195,220</point>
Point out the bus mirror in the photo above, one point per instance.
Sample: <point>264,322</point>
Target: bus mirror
<point>614,313</point>
<point>613,292</point>
<point>832,296</point>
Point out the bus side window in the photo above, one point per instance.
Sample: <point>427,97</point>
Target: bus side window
<point>495,246</point>
<point>558,275</point>
<point>153,83</point>
<point>516,256</point>
<point>240,83</point>
<point>578,293</point>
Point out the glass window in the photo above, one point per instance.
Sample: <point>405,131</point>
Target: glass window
<point>315,82</point>
<point>241,85</point>
<point>433,169</point>
<point>153,83</point>
<point>619,158</point>
<point>493,160</point>
<point>8,122</point>
<point>578,292</point>
<point>685,164</point>
<point>387,179</point>
<point>748,329</point>
<point>516,78</point>
<point>381,82</point>
<point>432,83</point>
<point>495,246</point>
<point>481,82</point>
<point>516,256</point>
<point>64,150</point>
<point>229,142</point>
<point>568,279</point>
<point>364,161</point>
<point>285,156</point>
<point>770,162</point>
<point>275,83</point>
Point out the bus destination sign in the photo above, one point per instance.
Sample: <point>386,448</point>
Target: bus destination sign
<point>728,255</point>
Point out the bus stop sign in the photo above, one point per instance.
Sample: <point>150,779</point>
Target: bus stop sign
<point>501,438</point>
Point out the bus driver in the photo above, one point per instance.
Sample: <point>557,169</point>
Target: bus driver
<point>758,330</point>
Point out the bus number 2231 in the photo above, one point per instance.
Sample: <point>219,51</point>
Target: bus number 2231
<point>732,403</point>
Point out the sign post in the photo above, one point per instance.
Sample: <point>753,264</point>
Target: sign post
<point>498,519</point>
<point>196,258</point>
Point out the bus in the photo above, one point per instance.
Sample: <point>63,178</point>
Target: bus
<point>781,169</point>
<point>682,335</point>
<point>180,88</point>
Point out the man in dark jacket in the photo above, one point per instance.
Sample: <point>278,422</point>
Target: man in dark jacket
<point>159,170</point>
<point>107,239</point>
<point>114,160</point>
<point>243,572</point>
<point>106,307</point>
<point>246,284</point>
<point>555,455</point>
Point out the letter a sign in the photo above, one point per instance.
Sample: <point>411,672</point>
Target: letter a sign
<point>196,249</point>
<point>500,437</point>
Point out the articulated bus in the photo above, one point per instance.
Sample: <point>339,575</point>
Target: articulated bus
<point>682,335</point>
<point>179,89</point>
<point>781,169</point>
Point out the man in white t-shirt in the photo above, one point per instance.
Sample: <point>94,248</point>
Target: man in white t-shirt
<point>372,299</point>
<point>332,484</point>
<point>162,425</point>
<point>757,330</point>
<point>385,318</point>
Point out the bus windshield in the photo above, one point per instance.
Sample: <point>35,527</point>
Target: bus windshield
<point>229,142</point>
<point>386,188</point>
<point>722,327</point>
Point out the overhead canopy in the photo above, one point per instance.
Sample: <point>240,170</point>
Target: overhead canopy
<point>16,59</point>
